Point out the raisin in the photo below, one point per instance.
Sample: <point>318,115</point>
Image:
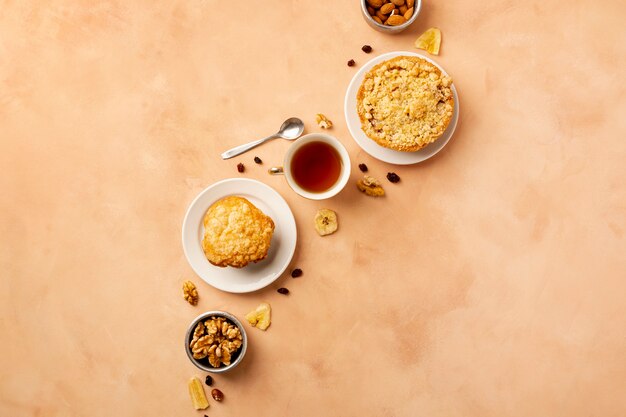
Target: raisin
<point>393,177</point>
<point>367,49</point>
<point>351,63</point>
<point>241,167</point>
<point>283,291</point>
<point>217,394</point>
<point>208,380</point>
<point>257,160</point>
<point>363,167</point>
<point>296,273</point>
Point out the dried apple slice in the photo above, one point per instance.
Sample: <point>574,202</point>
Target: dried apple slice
<point>429,41</point>
<point>260,317</point>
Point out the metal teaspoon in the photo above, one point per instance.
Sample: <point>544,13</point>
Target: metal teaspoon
<point>291,129</point>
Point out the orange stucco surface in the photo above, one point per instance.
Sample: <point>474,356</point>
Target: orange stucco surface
<point>489,282</point>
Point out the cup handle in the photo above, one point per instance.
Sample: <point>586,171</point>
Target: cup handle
<point>276,171</point>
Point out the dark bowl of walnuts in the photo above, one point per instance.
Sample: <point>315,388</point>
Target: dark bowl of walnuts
<point>216,341</point>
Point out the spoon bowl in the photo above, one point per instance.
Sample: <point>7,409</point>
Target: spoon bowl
<point>291,129</point>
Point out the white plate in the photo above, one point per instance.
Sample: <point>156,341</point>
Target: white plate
<point>374,149</point>
<point>253,276</point>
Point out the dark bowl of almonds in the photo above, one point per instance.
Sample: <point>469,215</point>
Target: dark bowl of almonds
<point>216,341</point>
<point>390,16</point>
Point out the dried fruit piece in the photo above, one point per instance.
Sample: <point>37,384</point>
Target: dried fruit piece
<point>190,293</point>
<point>429,41</point>
<point>260,317</point>
<point>366,48</point>
<point>363,167</point>
<point>393,177</point>
<point>375,3</point>
<point>325,222</point>
<point>196,391</point>
<point>283,291</point>
<point>377,19</point>
<point>241,167</point>
<point>296,273</point>
<point>351,63</point>
<point>323,121</point>
<point>395,20</point>
<point>208,380</point>
<point>370,186</point>
<point>403,9</point>
<point>408,13</point>
<point>257,160</point>
<point>217,394</point>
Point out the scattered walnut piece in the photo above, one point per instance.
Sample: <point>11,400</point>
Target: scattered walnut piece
<point>370,186</point>
<point>216,339</point>
<point>323,122</point>
<point>190,293</point>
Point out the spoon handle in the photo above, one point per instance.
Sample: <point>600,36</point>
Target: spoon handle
<point>238,150</point>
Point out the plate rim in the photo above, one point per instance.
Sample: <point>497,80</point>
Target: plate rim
<point>291,220</point>
<point>360,73</point>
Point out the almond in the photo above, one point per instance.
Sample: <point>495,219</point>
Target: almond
<point>377,19</point>
<point>410,3</point>
<point>371,10</point>
<point>408,14</point>
<point>380,15</point>
<point>395,20</point>
<point>375,3</point>
<point>403,9</point>
<point>398,2</point>
<point>387,8</point>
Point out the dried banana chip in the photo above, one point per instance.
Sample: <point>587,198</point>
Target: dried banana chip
<point>260,317</point>
<point>326,222</point>
<point>429,41</point>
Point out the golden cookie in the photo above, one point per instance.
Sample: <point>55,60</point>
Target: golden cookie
<point>236,233</point>
<point>405,103</point>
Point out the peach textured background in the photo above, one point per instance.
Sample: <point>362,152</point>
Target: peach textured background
<point>490,282</point>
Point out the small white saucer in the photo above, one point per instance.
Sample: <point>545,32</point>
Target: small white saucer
<point>253,276</point>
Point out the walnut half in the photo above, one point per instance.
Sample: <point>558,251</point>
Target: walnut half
<point>190,293</point>
<point>370,186</point>
<point>323,121</point>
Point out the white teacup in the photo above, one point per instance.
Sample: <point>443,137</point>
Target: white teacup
<point>344,173</point>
